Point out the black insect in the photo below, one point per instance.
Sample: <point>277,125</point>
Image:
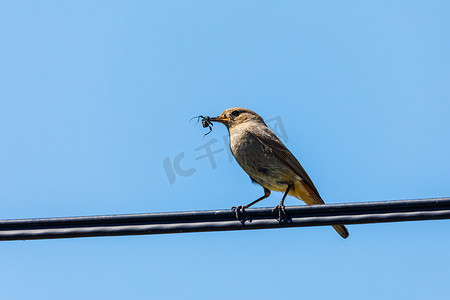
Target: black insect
<point>206,122</point>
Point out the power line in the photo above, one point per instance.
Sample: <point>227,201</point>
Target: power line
<point>221,220</point>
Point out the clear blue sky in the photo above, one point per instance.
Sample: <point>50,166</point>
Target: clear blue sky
<point>95,95</point>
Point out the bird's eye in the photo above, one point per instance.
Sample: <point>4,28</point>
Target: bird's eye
<point>235,113</point>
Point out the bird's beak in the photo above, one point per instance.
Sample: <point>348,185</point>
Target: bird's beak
<point>220,119</point>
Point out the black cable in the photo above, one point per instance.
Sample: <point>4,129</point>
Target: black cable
<point>220,220</point>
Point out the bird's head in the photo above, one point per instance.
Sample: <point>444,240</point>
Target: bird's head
<point>237,115</point>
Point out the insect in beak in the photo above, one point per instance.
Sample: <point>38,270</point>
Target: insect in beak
<point>206,122</point>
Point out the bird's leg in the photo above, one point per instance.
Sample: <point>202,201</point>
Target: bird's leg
<point>240,208</point>
<point>280,207</point>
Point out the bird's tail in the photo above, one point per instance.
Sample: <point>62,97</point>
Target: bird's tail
<point>303,192</point>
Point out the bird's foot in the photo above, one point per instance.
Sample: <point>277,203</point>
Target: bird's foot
<point>281,212</point>
<point>238,210</point>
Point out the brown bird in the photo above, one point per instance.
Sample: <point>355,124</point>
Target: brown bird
<point>267,160</point>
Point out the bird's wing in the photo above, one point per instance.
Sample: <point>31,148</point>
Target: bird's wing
<point>269,139</point>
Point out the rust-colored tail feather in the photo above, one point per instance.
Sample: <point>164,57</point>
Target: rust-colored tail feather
<point>303,192</point>
<point>342,230</point>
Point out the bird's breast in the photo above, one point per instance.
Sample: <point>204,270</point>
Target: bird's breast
<point>258,160</point>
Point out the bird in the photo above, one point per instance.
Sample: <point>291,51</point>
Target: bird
<point>267,161</point>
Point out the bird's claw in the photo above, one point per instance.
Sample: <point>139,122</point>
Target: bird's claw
<point>281,212</point>
<point>238,210</point>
